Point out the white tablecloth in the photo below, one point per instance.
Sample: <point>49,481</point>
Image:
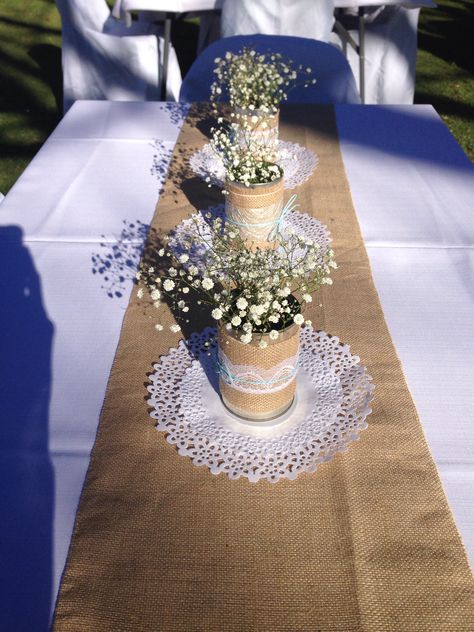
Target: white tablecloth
<point>94,184</point>
<point>123,8</point>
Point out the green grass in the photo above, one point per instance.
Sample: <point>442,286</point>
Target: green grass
<point>445,66</point>
<point>30,74</point>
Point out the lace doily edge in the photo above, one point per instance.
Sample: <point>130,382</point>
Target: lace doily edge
<point>324,456</point>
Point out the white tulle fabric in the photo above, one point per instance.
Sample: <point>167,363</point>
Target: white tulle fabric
<point>298,164</point>
<point>331,406</point>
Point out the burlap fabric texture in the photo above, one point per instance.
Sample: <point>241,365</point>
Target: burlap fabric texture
<point>367,543</point>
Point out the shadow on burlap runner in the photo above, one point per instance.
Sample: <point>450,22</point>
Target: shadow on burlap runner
<point>366,543</point>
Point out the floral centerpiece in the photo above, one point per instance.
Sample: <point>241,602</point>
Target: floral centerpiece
<point>245,161</point>
<point>253,187</point>
<point>255,84</point>
<point>257,298</point>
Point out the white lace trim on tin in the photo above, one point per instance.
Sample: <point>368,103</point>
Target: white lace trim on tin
<point>255,380</point>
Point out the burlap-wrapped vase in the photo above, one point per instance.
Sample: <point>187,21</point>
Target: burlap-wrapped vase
<point>260,129</point>
<point>255,210</point>
<point>258,384</point>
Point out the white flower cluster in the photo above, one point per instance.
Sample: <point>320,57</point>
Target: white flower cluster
<point>246,160</point>
<point>253,292</point>
<point>253,80</point>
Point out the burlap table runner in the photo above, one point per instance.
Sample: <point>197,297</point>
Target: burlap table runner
<point>366,543</point>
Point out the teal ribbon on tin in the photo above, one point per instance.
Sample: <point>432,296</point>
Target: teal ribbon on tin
<point>289,206</point>
<point>277,223</point>
<point>230,378</point>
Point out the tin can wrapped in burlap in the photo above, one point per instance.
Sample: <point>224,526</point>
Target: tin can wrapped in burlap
<point>258,131</point>
<point>255,210</point>
<point>258,384</point>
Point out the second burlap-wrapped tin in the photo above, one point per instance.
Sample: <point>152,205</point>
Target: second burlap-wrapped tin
<point>255,210</point>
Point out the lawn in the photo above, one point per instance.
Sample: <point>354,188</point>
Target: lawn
<point>30,98</point>
<point>445,66</point>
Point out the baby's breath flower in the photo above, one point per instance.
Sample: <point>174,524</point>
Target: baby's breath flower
<point>175,328</point>
<point>257,81</point>
<point>207,283</point>
<point>247,160</point>
<point>256,309</point>
<point>251,290</point>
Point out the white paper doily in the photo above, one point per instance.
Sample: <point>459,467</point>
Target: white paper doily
<point>332,402</point>
<point>195,229</point>
<point>297,162</point>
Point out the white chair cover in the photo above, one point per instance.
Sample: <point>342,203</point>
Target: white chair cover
<point>278,17</point>
<point>335,80</point>
<point>102,59</point>
<point>390,54</point>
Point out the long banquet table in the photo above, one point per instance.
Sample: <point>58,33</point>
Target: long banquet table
<point>70,232</point>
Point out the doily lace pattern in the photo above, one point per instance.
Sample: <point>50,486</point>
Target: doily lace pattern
<point>297,162</point>
<point>332,403</point>
<point>195,230</point>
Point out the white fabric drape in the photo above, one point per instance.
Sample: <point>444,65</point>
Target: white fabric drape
<point>278,17</point>
<point>102,59</point>
<point>390,52</point>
